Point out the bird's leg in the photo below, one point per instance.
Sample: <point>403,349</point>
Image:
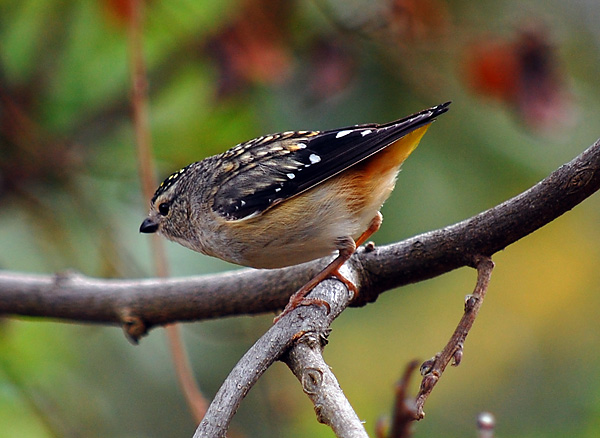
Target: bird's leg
<point>373,228</point>
<point>346,247</point>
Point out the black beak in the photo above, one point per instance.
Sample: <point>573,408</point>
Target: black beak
<point>148,226</point>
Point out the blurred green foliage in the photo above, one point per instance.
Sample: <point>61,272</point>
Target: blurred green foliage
<point>221,72</point>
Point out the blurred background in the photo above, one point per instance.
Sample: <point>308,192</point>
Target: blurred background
<point>524,80</point>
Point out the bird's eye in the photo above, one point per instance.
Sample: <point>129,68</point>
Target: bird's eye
<point>163,208</point>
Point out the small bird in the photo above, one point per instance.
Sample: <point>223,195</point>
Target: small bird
<point>288,198</point>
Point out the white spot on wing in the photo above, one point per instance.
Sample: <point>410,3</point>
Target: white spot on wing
<point>365,132</point>
<point>343,133</point>
<point>242,203</point>
<point>314,158</point>
<point>290,175</point>
<point>277,189</point>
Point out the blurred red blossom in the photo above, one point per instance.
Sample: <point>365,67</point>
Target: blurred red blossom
<point>524,72</point>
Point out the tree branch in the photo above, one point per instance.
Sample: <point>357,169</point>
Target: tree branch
<point>142,304</point>
<point>303,321</point>
<point>319,383</point>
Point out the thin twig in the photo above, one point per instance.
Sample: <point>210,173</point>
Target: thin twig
<point>196,402</point>
<point>139,86</point>
<point>404,407</point>
<point>139,101</point>
<point>433,369</point>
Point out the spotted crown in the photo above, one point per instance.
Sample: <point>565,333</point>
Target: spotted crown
<point>170,181</point>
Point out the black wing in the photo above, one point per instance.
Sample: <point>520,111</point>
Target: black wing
<point>267,170</point>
